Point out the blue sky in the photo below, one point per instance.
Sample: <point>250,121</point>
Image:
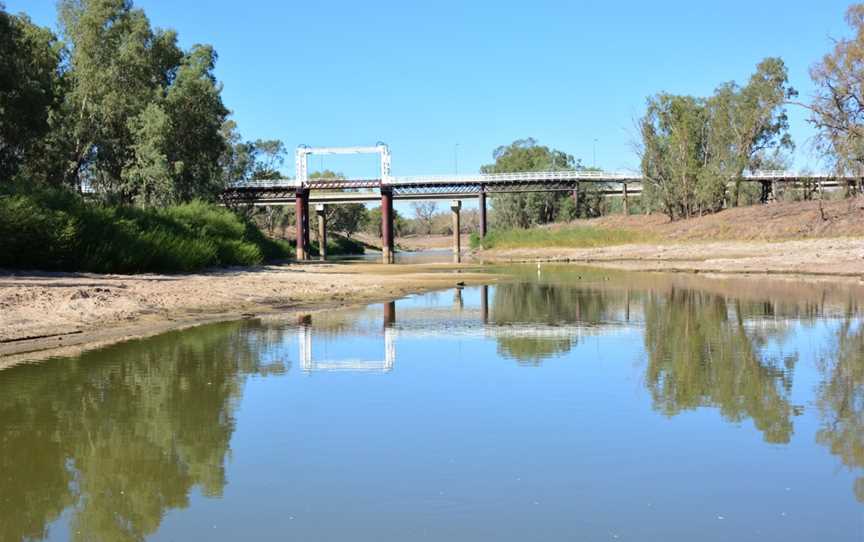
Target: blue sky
<point>424,76</point>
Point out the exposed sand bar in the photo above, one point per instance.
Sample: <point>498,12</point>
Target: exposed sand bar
<point>56,311</point>
<point>61,312</point>
<point>829,257</point>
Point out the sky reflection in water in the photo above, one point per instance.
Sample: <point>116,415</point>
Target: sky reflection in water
<point>573,404</point>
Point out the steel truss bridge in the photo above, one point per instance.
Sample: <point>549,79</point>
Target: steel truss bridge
<point>386,187</point>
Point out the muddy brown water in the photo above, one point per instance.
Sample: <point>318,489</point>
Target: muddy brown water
<point>558,404</point>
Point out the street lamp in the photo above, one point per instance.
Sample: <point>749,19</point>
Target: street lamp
<point>595,154</point>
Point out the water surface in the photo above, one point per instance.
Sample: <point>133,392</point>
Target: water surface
<point>559,404</point>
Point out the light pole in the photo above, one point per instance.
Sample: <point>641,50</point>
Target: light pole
<point>595,154</point>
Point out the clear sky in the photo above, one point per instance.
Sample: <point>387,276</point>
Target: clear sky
<point>424,76</point>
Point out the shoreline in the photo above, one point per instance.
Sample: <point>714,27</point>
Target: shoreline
<point>56,314</point>
<point>822,257</point>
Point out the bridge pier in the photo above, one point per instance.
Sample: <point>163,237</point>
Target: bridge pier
<point>626,205</point>
<point>482,207</point>
<point>322,231</point>
<point>766,192</point>
<point>387,225</point>
<point>301,205</point>
<point>576,198</point>
<point>455,206</point>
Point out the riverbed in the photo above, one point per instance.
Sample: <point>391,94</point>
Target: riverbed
<point>533,403</point>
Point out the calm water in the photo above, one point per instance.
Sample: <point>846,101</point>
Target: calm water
<point>573,405</point>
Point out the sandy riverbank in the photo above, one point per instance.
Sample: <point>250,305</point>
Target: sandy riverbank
<point>42,311</point>
<point>62,312</point>
<point>830,257</point>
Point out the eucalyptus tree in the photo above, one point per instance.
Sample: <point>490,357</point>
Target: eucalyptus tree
<point>837,109</point>
<point>143,118</point>
<point>525,210</point>
<point>30,74</point>
<point>693,148</point>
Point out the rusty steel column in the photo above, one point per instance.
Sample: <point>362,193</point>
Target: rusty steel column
<point>389,314</point>
<point>482,204</point>
<point>455,206</point>
<point>301,203</point>
<point>322,231</point>
<point>387,225</point>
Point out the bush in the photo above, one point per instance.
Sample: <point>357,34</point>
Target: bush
<point>573,236</point>
<point>339,245</point>
<point>55,229</point>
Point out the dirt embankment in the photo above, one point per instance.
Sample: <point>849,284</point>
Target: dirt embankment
<point>48,310</point>
<point>780,221</point>
<point>791,237</point>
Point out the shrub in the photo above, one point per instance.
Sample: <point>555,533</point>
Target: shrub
<point>55,229</point>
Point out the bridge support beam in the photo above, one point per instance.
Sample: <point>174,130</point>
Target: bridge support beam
<point>301,217</point>
<point>387,236</point>
<point>576,198</point>
<point>482,208</point>
<point>455,207</point>
<point>626,204</point>
<point>322,231</point>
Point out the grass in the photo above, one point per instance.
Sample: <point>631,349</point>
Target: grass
<point>56,230</point>
<point>567,236</point>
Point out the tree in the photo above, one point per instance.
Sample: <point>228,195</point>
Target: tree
<point>693,148</point>
<point>424,212</point>
<point>348,218</point>
<point>268,155</point>
<point>525,210</point>
<point>837,109</point>
<point>29,88</point>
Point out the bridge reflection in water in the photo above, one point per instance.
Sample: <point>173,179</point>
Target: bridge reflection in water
<point>527,340</point>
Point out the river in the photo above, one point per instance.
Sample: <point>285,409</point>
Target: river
<point>557,403</point>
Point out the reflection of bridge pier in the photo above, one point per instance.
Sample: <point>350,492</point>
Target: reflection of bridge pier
<point>389,314</point>
<point>484,304</point>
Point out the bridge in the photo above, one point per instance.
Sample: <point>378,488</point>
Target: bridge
<point>303,191</point>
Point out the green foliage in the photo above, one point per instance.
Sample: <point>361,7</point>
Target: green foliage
<point>347,218</point>
<point>526,210</point>
<point>29,85</point>
<point>570,236</point>
<point>56,230</point>
<point>693,148</point>
<point>373,222</point>
<point>339,245</point>
<point>836,110</point>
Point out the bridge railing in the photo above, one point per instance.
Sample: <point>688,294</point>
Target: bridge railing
<point>526,176</point>
<point>521,177</point>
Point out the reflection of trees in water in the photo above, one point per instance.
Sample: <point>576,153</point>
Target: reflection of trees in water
<point>533,350</point>
<point>547,304</point>
<point>841,401</point>
<point>700,354</point>
<point>122,434</point>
